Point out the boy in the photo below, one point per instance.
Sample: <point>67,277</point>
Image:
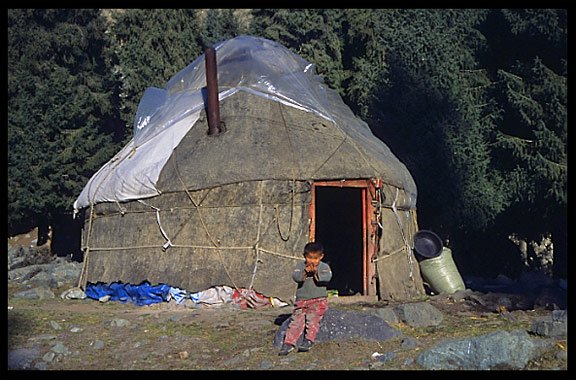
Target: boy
<point>312,275</point>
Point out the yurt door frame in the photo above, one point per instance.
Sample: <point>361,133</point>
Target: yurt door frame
<point>369,224</point>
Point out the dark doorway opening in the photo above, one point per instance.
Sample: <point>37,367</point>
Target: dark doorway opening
<point>339,227</point>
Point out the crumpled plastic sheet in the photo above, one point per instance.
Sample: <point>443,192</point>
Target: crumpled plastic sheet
<point>254,65</point>
<point>214,295</point>
<point>145,294</point>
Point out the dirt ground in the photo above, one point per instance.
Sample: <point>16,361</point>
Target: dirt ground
<point>166,336</point>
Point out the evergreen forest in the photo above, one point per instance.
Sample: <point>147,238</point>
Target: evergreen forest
<point>472,101</point>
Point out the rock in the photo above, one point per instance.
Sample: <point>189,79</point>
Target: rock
<point>23,274</point>
<point>39,293</point>
<point>17,262</point>
<point>60,348</point>
<point>460,295</point>
<point>44,279</point>
<point>408,361</point>
<point>378,360</point>
<point>409,343</point>
<point>119,322</point>
<point>552,298</point>
<point>508,316</point>
<point>41,366</point>
<point>66,271</point>
<point>49,356</point>
<point>266,364</point>
<point>73,294</point>
<point>55,325</point>
<point>51,275</point>
<point>22,358</point>
<point>387,314</point>
<point>288,359</point>
<point>98,345</point>
<point>554,325</point>
<point>339,325</point>
<point>562,355</point>
<point>105,298</point>
<point>42,337</point>
<point>50,272</point>
<point>232,361</point>
<point>419,314</point>
<point>497,350</point>
<point>560,316</point>
<point>387,356</point>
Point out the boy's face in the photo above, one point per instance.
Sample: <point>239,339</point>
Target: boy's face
<point>313,258</point>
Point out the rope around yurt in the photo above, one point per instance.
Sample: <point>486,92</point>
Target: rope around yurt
<point>82,279</point>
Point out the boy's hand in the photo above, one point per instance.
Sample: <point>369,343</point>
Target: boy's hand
<point>311,269</point>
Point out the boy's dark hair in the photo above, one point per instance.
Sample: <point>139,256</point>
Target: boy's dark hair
<point>314,247</point>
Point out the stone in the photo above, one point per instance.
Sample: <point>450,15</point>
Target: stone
<point>60,348</point>
<point>266,364</point>
<point>408,361</point>
<point>560,316</point>
<point>39,293</point>
<point>408,343</point>
<point>73,294</point>
<point>119,322</point>
<point>387,314</point>
<point>419,314</point>
<point>496,350</point>
<point>41,366</point>
<point>17,262</point>
<point>49,356</point>
<point>337,325</point>
<point>554,325</point>
<point>387,356</point>
<point>21,275</point>
<point>55,325</point>
<point>44,279</point>
<point>22,358</point>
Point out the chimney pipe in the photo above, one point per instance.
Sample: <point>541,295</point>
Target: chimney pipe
<point>212,91</point>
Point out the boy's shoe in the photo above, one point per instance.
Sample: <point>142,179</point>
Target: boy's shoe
<point>305,346</point>
<point>286,349</point>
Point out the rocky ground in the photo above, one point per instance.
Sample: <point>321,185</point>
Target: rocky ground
<point>492,327</point>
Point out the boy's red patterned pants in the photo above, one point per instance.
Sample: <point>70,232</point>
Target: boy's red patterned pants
<point>307,313</point>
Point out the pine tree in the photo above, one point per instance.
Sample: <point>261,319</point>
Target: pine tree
<point>317,35</point>
<point>61,115</point>
<point>219,25</point>
<point>527,58</point>
<point>427,102</point>
<point>151,45</point>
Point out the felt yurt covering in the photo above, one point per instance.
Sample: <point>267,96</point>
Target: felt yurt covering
<point>180,207</point>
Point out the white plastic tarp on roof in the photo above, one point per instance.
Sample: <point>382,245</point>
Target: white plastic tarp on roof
<point>164,116</point>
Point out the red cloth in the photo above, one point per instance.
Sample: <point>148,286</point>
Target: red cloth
<point>246,299</point>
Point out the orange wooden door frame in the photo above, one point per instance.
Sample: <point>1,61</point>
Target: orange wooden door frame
<point>369,224</point>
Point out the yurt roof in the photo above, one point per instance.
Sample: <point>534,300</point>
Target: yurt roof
<point>282,122</point>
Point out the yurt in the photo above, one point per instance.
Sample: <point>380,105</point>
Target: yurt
<point>233,168</point>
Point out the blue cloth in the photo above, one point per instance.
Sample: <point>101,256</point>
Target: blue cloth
<point>143,294</point>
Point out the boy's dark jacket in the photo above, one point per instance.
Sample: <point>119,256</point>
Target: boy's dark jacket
<point>311,287</point>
